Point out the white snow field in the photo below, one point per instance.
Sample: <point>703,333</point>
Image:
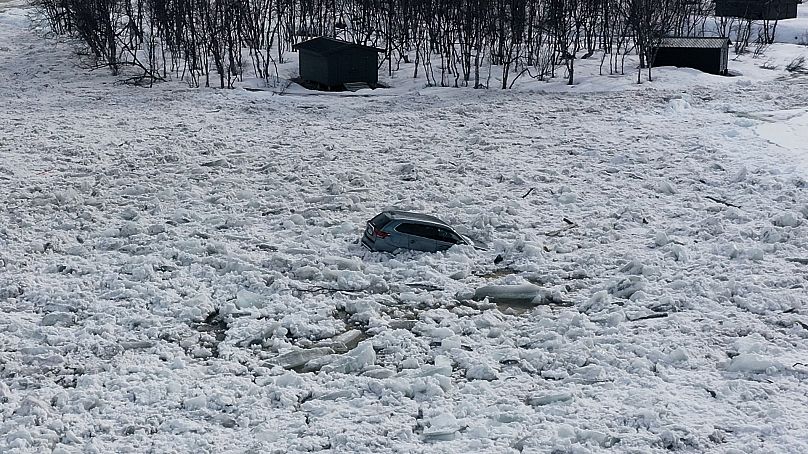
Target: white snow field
<point>180,271</point>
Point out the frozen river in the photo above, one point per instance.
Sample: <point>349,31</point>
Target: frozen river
<point>179,268</point>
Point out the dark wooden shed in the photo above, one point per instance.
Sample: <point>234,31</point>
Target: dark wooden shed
<point>757,9</point>
<point>331,63</point>
<point>708,54</point>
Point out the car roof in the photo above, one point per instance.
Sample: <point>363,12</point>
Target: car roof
<point>396,215</point>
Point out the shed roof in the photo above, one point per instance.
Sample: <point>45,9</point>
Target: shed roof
<point>325,45</point>
<point>705,42</point>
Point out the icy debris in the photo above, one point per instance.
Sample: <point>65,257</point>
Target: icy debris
<point>340,394</point>
<point>665,187</point>
<point>344,228</point>
<point>156,229</point>
<point>481,372</point>
<point>677,106</point>
<point>201,352</point>
<point>300,357</point>
<point>334,188</point>
<point>31,406</point>
<point>307,273</point>
<point>627,287</point>
<point>197,308</point>
<point>5,393</point>
<point>134,345</point>
<point>297,219</point>
<point>787,219</point>
<point>52,361</point>
<point>379,373</point>
<point>408,172</point>
<point>347,280</point>
<point>752,363</point>
<point>67,197</point>
<point>443,427</point>
<point>567,197</point>
<point>678,355</point>
<point>195,403</point>
<point>355,360</point>
<point>108,233</point>
<point>551,398</point>
<point>317,363</point>
<point>679,253</point>
<point>599,301</point>
<point>135,189</point>
<point>19,439</point>
<point>602,439</point>
<point>661,239</point>
<point>58,319</point>
<point>129,229</point>
<point>129,214</point>
<point>513,294</point>
<point>343,263</point>
<point>634,267</point>
<point>753,343</point>
<point>221,162</point>
<point>755,254</point>
<point>591,372</point>
<point>342,341</point>
<point>729,250</point>
<point>555,374</point>
<point>441,333</point>
<point>442,366</point>
<point>740,176</point>
<point>451,342</point>
<point>289,380</point>
<point>411,363</point>
<point>413,297</point>
<point>246,299</point>
<point>771,235</point>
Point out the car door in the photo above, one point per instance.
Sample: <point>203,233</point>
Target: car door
<point>415,236</point>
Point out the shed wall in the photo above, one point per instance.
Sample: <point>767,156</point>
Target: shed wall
<point>313,67</point>
<point>354,65</point>
<point>757,9</point>
<point>711,61</point>
<point>332,69</point>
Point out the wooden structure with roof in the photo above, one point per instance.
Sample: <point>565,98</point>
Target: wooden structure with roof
<point>330,63</point>
<point>708,54</point>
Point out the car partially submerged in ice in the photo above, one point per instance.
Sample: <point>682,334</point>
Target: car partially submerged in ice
<point>391,230</point>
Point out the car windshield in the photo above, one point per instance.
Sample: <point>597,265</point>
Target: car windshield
<point>380,220</point>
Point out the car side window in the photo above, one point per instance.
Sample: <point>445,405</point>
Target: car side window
<point>421,230</point>
<point>447,237</point>
<point>409,229</point>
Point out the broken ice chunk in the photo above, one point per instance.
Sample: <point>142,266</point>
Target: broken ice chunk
<point>510,294</point>
<point>353,361</point>
<point>298,358</point>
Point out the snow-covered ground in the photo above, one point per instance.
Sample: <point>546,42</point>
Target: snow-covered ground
<point>180,272</point>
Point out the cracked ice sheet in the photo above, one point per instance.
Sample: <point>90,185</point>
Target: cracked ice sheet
<point>787,130</point>
<point>131,216</point>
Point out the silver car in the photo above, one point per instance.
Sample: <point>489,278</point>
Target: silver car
<point>391,230</point>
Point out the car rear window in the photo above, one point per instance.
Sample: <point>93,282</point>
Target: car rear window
<point>380,220</point>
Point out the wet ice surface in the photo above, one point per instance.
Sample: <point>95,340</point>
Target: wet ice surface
<point>179,268</point>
